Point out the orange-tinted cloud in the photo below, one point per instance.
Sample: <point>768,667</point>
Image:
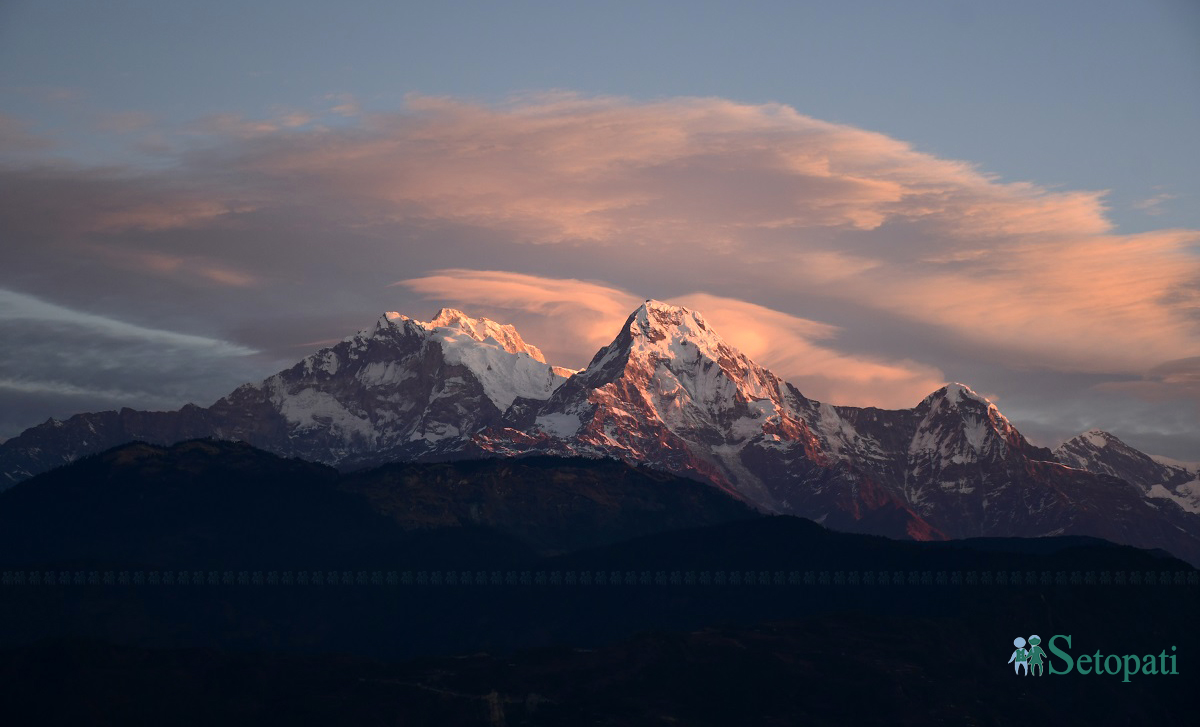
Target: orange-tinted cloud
<point>344,104</point>
<point>573,318</point>
<point>696,194</point>
<point>786,344</point>
<point>569,168</point>
<point>179,266</point>
<point>1098,303</point>
<point>587,315</point>
<point>780,197</point>
<point>165,215</point>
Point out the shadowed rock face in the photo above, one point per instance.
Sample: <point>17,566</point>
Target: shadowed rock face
<point>668,392</point>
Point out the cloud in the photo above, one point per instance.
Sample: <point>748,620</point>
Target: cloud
<point>766,192</point>
<point>15,136</point>
<point>786,344</point>
<point>240,127</point>
<point>596,203</point>
<point>64,200</point>
<point>16,306</point>
<point>1168,382</point>
<point>1154,205</point>
<point>165,215</point>
<point>294,119</point>
<point>71,360</point>
<point>185,267</point>
<point>573,317</point>
<point>589,314</point>
<point>344,104</point>
<point>123,397</point>
<point>1079,303</point>
<point>582,168</point>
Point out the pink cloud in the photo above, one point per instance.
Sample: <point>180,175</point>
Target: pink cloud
<point>344,104</point>
<point>699,194</point>
<point>166,215</point>
<point>574,318</point>
<point>178,266</point>
<point>1099,303</point>
<point>597,169</point>
<point>786,344</point>
<point>587,315</point>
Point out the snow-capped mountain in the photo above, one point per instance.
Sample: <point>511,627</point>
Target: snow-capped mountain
<point>400,388</point>
<point>669,392</point>
<point>1158,477</point>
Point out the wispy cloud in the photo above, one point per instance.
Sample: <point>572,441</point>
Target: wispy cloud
<point>236,126</point>
<point>344,104</point>
<point>1166,382</point>
<point>166,214</point>
<point>16,135</point>
<point>73,360</point>
<point>16,306</point>
<point>572,318</point>
<point>1156,204</point>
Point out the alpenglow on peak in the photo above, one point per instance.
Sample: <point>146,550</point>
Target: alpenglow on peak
<point>479,329</point>
<point>955,393</point>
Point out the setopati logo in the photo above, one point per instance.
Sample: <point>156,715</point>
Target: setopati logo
<point>1029,658</point>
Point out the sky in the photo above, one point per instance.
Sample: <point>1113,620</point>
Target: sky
<point>869,198</point>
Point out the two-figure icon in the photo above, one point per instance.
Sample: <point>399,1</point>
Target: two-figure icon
<point>1030,658</point>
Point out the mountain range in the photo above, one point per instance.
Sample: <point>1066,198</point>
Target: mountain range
<point>668,392</point>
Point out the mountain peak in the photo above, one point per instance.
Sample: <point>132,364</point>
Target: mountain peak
<point>668,358</point>
<point>961,427</point>
<point>955,393</point>
<point>452,318</point>
<point>659,306</point>
<point>480,329</point>
<point>654,314</point>
<point>1103,453</point>
<point>1094,439</point>
<point>389,319</point>
<point>672,328</point>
